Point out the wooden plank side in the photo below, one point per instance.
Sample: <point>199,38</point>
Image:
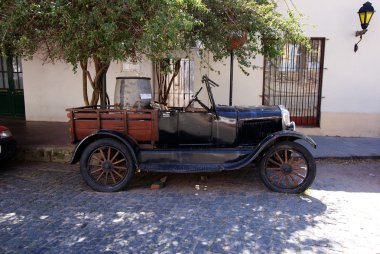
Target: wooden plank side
<point>139,125</point>
<point>112,124</point>
<point>86,124</point>
<point>142,125</point>
<point>139,116</point>
<point>82,133</point>
<point>95,115</point>
<point>141,135</point>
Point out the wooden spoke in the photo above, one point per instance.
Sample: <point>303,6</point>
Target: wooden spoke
<point>293,179</point>
<point>106,180</point>
<point>117,173</point>
<point>292,157</point>
<point>274,162</point>
<point>274,169</point>
<point>296,163</point>
<point>97,170</point>
<point>119,161</point>
<point>102,153</point>
<point>299,175</point>
<point>114,157</point>
<point>113,177</point>
<point>271,178</point>
<point>279,157</point>
<point>96,158</point>
<point>300,168</point>
<point>280,179</point>
<point>97,179</point>
<point>120,167</point>
<point>109,153</point>
<point>286,156</point>
<point>286,181</point>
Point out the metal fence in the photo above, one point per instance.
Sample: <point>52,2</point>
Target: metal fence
<point>295,81</point>
<point>183,88</point>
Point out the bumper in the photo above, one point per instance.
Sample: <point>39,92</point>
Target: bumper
<point>7,148</point>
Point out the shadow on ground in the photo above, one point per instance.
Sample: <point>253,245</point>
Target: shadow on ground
<point>46,207</point>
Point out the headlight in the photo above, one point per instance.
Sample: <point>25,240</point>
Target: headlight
<point>5,134</point>
<point>286,119</point>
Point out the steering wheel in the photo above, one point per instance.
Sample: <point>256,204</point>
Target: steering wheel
<point>195,98</point>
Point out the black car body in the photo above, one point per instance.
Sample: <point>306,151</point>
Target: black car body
<point>205,139</point>
<point>7,143</point>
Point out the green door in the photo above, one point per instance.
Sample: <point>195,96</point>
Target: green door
<point>11,87</point>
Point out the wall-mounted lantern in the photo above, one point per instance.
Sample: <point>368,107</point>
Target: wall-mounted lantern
<point>365,15</point>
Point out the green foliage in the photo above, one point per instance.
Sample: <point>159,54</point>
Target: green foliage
<point>78,31</point>
<point>266,29</point>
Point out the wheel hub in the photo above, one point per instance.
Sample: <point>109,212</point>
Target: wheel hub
<point>286,168</point>
<point>107,166</point>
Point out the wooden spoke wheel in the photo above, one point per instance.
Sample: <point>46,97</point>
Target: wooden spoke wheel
<point>106,165</point>
<point>288,167</point>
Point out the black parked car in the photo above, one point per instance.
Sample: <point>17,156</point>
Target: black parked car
<point>7,143</point>
<point>114,143</point>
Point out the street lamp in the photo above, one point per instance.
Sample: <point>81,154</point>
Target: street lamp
<point>365,15</point>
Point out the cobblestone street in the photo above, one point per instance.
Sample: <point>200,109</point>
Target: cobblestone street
<point>47,208</point>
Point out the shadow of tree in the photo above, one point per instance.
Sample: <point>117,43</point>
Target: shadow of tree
<point>48,208</point>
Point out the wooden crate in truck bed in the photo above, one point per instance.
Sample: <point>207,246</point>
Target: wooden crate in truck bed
<point>139,124</point>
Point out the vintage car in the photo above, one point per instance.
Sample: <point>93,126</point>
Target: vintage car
<point>114,143</point>
<point>7,143</point>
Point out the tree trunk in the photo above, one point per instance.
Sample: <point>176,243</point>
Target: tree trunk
<point>177,67</point>
<point>100,69</point>
<point>83,65</point>
<point>163,74</point>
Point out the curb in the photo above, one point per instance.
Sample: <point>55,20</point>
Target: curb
<point>348,158</point>
<point>62,154</point>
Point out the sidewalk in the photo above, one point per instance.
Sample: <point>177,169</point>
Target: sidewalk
<point>50,141</point>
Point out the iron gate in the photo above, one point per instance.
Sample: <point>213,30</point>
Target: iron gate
<point>295,81</point>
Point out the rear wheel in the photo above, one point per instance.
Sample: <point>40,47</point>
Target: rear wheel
<point>288,167</point>
<point>106,165</point>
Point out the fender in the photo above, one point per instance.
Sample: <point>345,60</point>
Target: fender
<point>268,142</point>
<point>278,137</point>
<point>128,141</point>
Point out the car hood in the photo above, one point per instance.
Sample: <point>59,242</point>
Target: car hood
<point>249,112</point>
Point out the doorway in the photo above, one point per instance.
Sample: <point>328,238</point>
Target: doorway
<point>11,87</point>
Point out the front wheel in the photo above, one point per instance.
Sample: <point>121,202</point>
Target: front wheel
<point>106,165</point>
<point>288,167</point>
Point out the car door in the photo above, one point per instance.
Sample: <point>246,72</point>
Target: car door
<point>195,128</point>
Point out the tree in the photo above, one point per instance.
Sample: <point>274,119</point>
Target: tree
<point>246,27</point>
<point>81,32</point>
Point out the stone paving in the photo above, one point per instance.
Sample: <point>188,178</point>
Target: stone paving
<point>47,208</point>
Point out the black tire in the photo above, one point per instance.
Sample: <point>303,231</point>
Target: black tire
<point>106,165</point>
<point>287,167</point>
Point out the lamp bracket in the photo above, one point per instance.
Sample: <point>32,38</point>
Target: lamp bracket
<point>360,33</point>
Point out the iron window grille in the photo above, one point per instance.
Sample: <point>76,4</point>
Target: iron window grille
<point>295,81</point>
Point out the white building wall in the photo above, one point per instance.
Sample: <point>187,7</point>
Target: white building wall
<point>51,88</point>
<point>350,89</point>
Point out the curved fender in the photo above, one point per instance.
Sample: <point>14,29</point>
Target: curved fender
<point>268,142</point>
<point>280,136</point>
<point>129,142</point>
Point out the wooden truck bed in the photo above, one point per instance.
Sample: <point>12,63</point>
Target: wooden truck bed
<point>139,124</point>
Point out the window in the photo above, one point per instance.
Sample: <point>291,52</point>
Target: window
<point>295,81</point>
<point>182,89</point>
